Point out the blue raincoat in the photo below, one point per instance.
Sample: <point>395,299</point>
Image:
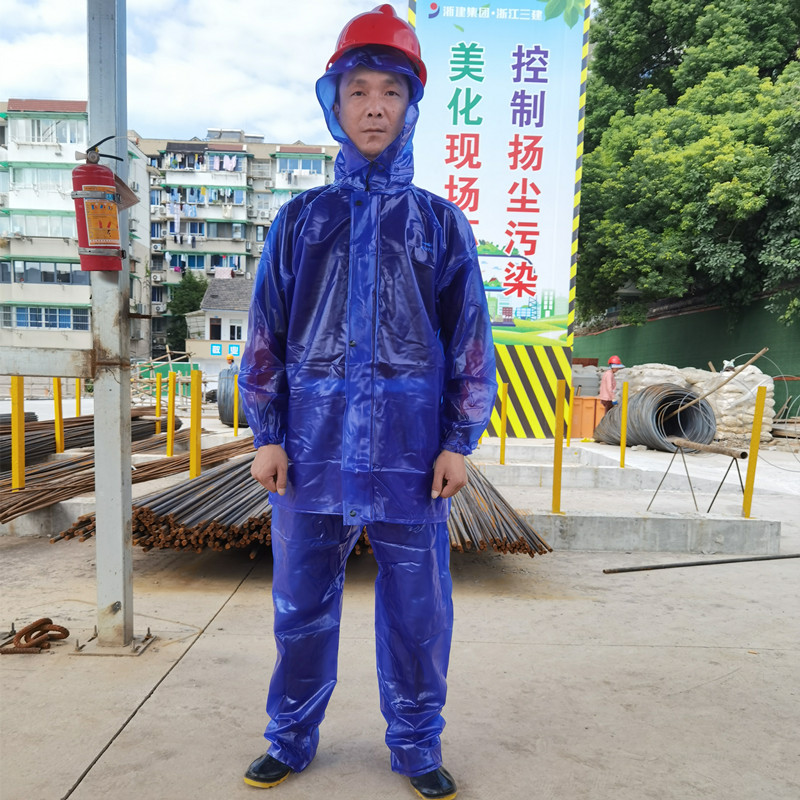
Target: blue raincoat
<point>369,351</point>
<point>369,346</point>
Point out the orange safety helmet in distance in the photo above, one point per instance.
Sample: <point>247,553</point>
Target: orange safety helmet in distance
<point>615,361</point>
<point>381,26</point>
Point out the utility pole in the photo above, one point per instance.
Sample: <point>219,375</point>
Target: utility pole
<point>106,29</point>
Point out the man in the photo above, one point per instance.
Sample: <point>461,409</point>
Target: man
<point>608,383</point>
<point>368,375</point>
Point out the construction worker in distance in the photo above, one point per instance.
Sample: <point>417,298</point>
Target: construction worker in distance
<point>608,383</point>
<point>367,376</point>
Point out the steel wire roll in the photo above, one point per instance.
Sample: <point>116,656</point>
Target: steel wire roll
<point>225,383</point>
<point>648,423</point>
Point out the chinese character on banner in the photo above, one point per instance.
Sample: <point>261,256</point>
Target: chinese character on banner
<point>466,61</point>
<point>526,109</point>
<point>524,203</point>
<point>525,152</point>
<point>522,235</point>
<point>464,193</point>
<point>520,279</point>
<point>463,150</point>
<point>532,62</point>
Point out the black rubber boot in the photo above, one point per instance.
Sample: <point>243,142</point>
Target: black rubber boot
<point>266,772</point>
<point>435,785</point>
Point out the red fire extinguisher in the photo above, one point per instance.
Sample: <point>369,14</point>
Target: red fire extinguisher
<point>96,214</point>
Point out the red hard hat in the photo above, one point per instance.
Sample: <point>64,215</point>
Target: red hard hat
<point>615,360</point>
<point>381,26</point>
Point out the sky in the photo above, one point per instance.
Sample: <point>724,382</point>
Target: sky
<point>192,64</point>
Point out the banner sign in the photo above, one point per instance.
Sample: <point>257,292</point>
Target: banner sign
<point>498,136</point>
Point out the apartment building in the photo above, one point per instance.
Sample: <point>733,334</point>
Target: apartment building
<point>204,205</point>
<point>44,296</point>
<point>211,204</point>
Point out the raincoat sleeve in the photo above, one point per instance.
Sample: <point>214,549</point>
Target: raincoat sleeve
<point>262,374</point>
<point>469,382</point>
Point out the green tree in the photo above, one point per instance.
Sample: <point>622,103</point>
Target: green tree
<point>185,297</point>
<point>691,177</point>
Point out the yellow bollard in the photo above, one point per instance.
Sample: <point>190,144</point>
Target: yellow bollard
<point>558,444</point>
<point>59,416</point>
<point>503,420</point>
<point>171,415</point>
<point>570,412</point>
<point>196,421</point>
<point>623,428</point>
<point>77,397</point>
<point>235,406</point>
<point>17,432</point>
<point>752,458</point>
<point>158,402</point>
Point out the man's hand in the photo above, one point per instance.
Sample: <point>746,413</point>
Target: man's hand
<point>449,474</point>
<point>269,467</point>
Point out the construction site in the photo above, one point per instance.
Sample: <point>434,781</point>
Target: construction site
<point>569,672</point>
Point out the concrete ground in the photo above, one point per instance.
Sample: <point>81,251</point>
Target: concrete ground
<point>564,682</point>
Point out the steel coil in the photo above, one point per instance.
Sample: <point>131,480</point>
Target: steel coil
<point>225,384</point>
<point>650,423</point>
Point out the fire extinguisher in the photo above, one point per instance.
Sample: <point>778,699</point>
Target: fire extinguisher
<point>96,213</point>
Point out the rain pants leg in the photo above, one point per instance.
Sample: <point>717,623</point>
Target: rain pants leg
<point>413,621</point>
<point>413,631</point>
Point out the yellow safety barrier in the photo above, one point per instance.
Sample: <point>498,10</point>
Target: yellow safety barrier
<point>235,406</point>
<point>171,415</point>
<point>77,397</point>
<point>570,412</point>
<point>196,422</point>
<point>752,459</point>
<point>59,416</point>
<point>158,402</point>
<point>503,420</point>
<point>623,428</point>
<point>558,444</point>
<point>17,432</point>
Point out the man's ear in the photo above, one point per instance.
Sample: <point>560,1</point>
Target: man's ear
<point>335,109</point>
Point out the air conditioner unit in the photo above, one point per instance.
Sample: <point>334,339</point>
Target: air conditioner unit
<point>159,307</point>
<point>132,224</point>
<point>154,179</point>
<point>263,214</point>
<point>2,200</point>
<point>134,186</point>
<point>248,246</point>
<point>162,212</point>
<point>261,248</point>
<point>249,181</point>
<point>155,209</point>
<point>269,183</point>
<point>157,278</point>
<point>251,212</point>
<point>156,247</point>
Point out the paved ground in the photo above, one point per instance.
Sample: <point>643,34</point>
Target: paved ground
<point>564,683</point>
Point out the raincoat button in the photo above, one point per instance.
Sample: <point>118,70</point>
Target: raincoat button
<point>352,343</point>
<point>352,513</point>
<point>359,203</point>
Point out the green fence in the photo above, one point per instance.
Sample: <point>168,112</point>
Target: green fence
<point>694,339</point>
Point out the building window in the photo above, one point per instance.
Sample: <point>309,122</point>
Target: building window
<point>197,228</point>
<point>237,230</point>
<point>235,330</point>
<point>215,329</point>
<point>43,272</point>
<point>157,294</point>
<point>76,319</point>
<point>31,225</point>
<point>66,131</point>
<point>311,165</point>
<point>260,233</point>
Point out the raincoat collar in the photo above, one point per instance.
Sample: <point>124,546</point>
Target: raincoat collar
<point>394,167</point>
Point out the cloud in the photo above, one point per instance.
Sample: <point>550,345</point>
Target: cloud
<point>192,64</point>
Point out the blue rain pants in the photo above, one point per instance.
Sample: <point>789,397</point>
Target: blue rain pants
<point>413,630</point>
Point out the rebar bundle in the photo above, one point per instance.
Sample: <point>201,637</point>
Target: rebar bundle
<point>226,509</point>
<point>652,419</point>
<point>40,495</point>
<point>40,437</point>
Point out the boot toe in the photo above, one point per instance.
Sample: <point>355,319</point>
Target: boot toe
<point>266,772</point>
<point>435,785</point>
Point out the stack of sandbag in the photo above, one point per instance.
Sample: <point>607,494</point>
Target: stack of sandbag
<point>733,403</point>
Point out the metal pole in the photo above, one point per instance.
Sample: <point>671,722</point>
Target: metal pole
<point>503,420</point>
<point>58,415</point>
<point>111,340</point>
<point>171,415</point>
<point>755,440</point>
<point>77,397</point>
<point>196,423</point>
<point>235,405</point>
<point>158,402</point>
<point>623,416</point>
<point>570,411</point>
<point>17,432</point>
<point>558,443</point>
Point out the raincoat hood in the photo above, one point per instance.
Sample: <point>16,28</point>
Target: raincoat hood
<point>395,165</point>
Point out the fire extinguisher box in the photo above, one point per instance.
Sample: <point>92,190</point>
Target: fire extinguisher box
<point>97,218</point>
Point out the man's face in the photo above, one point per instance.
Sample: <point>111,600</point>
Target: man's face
<point>371,108</point>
